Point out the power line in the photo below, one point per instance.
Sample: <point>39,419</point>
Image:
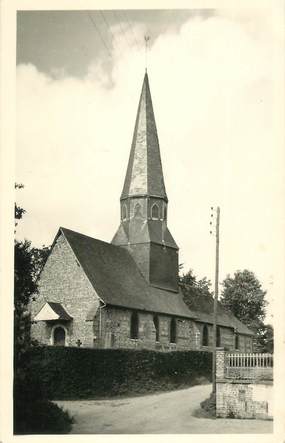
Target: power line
<point>100,35</point>
<point>121,28</point>
<point>131,27</point>
<point>107,24</point>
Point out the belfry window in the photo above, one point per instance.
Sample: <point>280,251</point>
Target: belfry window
<point>173,331</point>
<point>205,336</point>
<point>137,210</point>
<point>134,330</point>
<point>218,337</point>
<point>156,325</point>
<point>155,212</point>
<point>124,212</point>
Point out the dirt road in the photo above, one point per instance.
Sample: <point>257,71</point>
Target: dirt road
<point>166,413</point>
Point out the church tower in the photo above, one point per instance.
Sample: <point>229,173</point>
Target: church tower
<point>143,229</point>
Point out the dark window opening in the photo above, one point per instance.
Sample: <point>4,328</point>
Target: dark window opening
<point>59,336</point>
<point>124,212</point>
<point>134,325</point>
<point>236,341</point>
<point>205,336</point>
<point>137,210</point>
<point>156,324</point>
<point>218,337</point>
<point>173,331</point>
<point>155,212</point>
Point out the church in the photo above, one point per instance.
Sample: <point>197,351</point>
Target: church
<point>126,294</point>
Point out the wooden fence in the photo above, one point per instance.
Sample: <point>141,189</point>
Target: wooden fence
<point>249,366</point>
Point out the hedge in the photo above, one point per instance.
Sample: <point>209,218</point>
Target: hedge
<point>78,373</point>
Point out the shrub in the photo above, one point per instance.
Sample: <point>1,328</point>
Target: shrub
<point>209,405</point>
<point>71,373</point>
<point>33,412</point>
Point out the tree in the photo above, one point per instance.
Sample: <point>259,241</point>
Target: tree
<point>265,339</point>
<point>33,412</point>
<point>193,288</point>
<point>244,297</point>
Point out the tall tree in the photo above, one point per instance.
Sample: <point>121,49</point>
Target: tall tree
<point>193,288</point>
<point>33,413</point>
<point>244,297</point>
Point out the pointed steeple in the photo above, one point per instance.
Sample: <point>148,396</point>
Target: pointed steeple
<point>144,175</point>
<point>143,229</point>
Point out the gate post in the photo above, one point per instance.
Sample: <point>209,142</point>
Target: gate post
<point>220,363</point>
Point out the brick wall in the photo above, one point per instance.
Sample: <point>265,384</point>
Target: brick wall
<point>237,398</point>
<point>63,281</point>
<point>244,400</point>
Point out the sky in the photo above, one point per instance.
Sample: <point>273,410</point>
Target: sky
<point>212,77</point>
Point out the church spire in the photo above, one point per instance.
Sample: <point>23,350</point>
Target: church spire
<point>144,175</point>
<point>143,229</point>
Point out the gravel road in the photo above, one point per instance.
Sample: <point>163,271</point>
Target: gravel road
<point>163,413</point>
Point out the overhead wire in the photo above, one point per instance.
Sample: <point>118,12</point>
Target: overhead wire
<point>124,15</point>
<point>99,33</point>
<point>116,14</point>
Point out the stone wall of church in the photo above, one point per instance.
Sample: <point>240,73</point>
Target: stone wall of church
<point>63,281</point>
<point>227,340</point>
<point>115,327</point>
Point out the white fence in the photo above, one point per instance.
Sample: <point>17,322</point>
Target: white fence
<point>249,366</point>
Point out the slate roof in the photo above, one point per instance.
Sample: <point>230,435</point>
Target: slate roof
<point>117,279</point>
<point>138,231</point>
<point>144,173</point>
<point>59,309</point>
<point>118,282</point>
<point>203,306</point>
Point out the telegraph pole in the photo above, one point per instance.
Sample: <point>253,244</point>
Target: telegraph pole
<point>217,232</point>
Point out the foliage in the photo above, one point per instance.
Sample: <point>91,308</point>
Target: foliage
<point>265,338</point>
<point>33,413</point>
<point>244,297</point>
<point>193,288</point>
<point>73,373</point>
<point>209,405</point>
<point>19,212</point>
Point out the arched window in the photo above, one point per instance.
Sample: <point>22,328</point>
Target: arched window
<point>173,331</point>
<point>236,341</point>
<point>156,324</point>
<point>134,332</point>
<point>155,212</point>
<point>218,337</point>
<point>205,336</point>
<point>137,210</point>
<point>59,336</point>
<point>124,212</point>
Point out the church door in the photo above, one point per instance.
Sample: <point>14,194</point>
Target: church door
<point>59,337</point>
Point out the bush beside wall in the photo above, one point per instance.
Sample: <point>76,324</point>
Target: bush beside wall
<point>73,373</point>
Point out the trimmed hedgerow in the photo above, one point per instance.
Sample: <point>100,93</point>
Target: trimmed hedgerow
<point>74,373</point>
<point>34,413</point>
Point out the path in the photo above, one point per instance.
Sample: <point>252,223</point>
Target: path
<point>164,413</point>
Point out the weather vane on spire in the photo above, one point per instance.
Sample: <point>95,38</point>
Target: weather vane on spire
<point>146,39</point>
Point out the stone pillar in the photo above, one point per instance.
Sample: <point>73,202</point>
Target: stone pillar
<point>220,363</point>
